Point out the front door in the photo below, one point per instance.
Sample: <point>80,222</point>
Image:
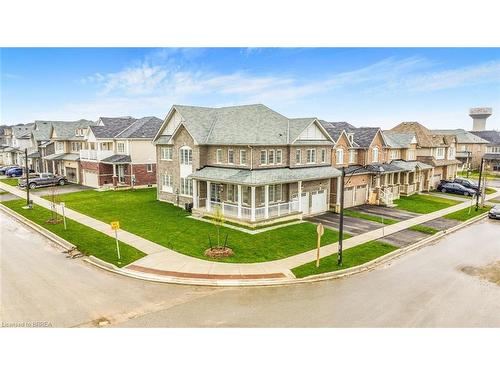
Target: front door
<point>121,174</point>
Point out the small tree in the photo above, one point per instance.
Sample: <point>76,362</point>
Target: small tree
<point>53,205</point>
<point>218,219</point>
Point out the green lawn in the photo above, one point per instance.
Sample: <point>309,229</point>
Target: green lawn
<point>423,204</point>
<point>362,215</point>
<point>87,240</point>
<point>13,181</point>
<point>140,213</point>
<point>490,190</point>
<point>474,175</point>
<point>464,214</point>
<point>351,257</point>
<point>424,229</point>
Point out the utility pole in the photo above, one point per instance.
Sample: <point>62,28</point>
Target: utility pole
<point>27,178</point>
<point>479,184</point>
<point>341,221</point>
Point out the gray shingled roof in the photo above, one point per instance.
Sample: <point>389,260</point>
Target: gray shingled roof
<point>335,128</point>
<point>146,128</point>
<point>247,124</point>
<point>264,176</point>
<point>463,136</point>
<point>491,156</point>
<point>117,159</point>
<point>112,126</point>
<point>68,156</point>
<point>362,137</point>
<point>492,136</point>
<point>410,165</point>
<point>67,129</point>
<point>42,131</point>
<point>397,140</point>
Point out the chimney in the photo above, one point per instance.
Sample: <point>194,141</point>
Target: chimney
<point>479,116</point>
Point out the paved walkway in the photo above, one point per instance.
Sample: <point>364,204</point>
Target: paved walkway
<point>164,260</point>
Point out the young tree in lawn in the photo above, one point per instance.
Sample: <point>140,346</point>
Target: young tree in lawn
<point>218,219</point>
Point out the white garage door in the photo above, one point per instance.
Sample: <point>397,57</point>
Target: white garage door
<point>318,203</point>
<point>90,179</point>
<point>348,195</point>
<point>360,197</point>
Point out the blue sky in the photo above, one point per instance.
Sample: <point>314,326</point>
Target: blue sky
<point>364,86</point>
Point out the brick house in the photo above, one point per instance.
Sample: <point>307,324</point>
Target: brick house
<point>40,139</point>
<point>435,150</point>
<point>68,139</point>
<point>492,155</point>
<point>118,152</point>
<point>470,147</point>
<point>253,163</point>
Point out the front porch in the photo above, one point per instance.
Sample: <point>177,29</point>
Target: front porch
<point>260,196</point>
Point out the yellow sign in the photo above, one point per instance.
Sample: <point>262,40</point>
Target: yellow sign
<point>320,230</point>
<point>115,225</point>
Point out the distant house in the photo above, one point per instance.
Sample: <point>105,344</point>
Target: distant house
<point>470,147</point>
<point>436,150</point>
<point>67,138</point>
<point>492,155</point>
<point>249,161</point>
<point>40,139</point>
<point>118,151</point>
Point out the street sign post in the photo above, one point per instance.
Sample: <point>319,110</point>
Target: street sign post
<point>115,225</point>
<point>320,231</point>
<point>64,215</point>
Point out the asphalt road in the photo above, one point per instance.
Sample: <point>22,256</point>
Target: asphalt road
<point>437,286</point>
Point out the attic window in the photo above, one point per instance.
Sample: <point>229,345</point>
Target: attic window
<point>350,137</point>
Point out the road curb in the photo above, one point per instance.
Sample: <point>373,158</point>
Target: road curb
<point>44,232</point>
<point>240,282</point>
<point>282,282</point>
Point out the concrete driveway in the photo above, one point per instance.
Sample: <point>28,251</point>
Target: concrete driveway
<point>352,225</point>
<point>69,188</point>
<point>386,212</point>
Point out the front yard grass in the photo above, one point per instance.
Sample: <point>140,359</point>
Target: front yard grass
<point>424,229</point>
<point>87,240</point>
<point>12,181</point>
<point>474,175</point>
<point>464,214</point>
<point>362,215</point>
<point>423,204</point>
<point>140,213</point>
<point>490,190</point>
<point>351,257</point>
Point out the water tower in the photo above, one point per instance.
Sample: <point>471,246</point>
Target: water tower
<point>479,115</point>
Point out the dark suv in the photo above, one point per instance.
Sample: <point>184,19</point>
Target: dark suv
<point>455,188</point>
<point>467,183</point>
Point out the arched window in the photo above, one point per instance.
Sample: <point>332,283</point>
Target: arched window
<point>375,155</point>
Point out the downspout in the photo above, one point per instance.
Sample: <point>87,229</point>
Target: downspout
<point>251,157</point>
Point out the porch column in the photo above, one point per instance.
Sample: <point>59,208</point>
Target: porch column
<point>266,201</point>
<point>252,213</point>
<point>54,167</point>
<point>240,201</point>
<point>299,194</point>
<point>377,181</point>
<point>195,194</point>
<point>207,203</point>
<point>115,178</point>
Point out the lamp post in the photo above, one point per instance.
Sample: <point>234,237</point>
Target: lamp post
<point>27,178</point>
<point>479,184</point>
<point>341,213</point>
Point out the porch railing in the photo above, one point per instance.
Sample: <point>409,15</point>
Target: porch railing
<point>231,209</point>
<point>95,154</point>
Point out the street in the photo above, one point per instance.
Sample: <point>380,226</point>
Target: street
<point>451,283</point>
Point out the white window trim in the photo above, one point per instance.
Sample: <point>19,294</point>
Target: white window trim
<point>162,154</point>
<point>218,156</point>
<point>241,153</point>
<point>265,153</point>
<point>313,153</point>
<point>375,151</point>
<point>228,159</point>
<point>181,151</point>
<point>147,168</point>
<point>323,155</point>
<point>269,153</point>
<point>352,156</point>
<point>280,152</point>
<point>299,152</point>
<point>339,160</point>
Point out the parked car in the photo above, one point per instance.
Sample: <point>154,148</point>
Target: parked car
<point>3,170</point>
<point>467,183</point>
<point>454,188</point>
<point>494,212</point>
<point>16,172</point>
<point>44,179</point>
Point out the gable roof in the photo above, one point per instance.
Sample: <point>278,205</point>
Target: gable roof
<point>65,130</point>
<point>462,136</point>
<point>362,137</point>
<point>492,136</point>
<point>398,140</point>
<point>425,138</point>
<point>145,127</point>
<point>112,126</point>
<point>245,124</point>
<point>42,130</point>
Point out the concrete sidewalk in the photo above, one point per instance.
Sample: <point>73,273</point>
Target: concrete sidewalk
<point>161,260</point>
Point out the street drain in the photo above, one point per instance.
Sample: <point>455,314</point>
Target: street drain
<point>490,272</point>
